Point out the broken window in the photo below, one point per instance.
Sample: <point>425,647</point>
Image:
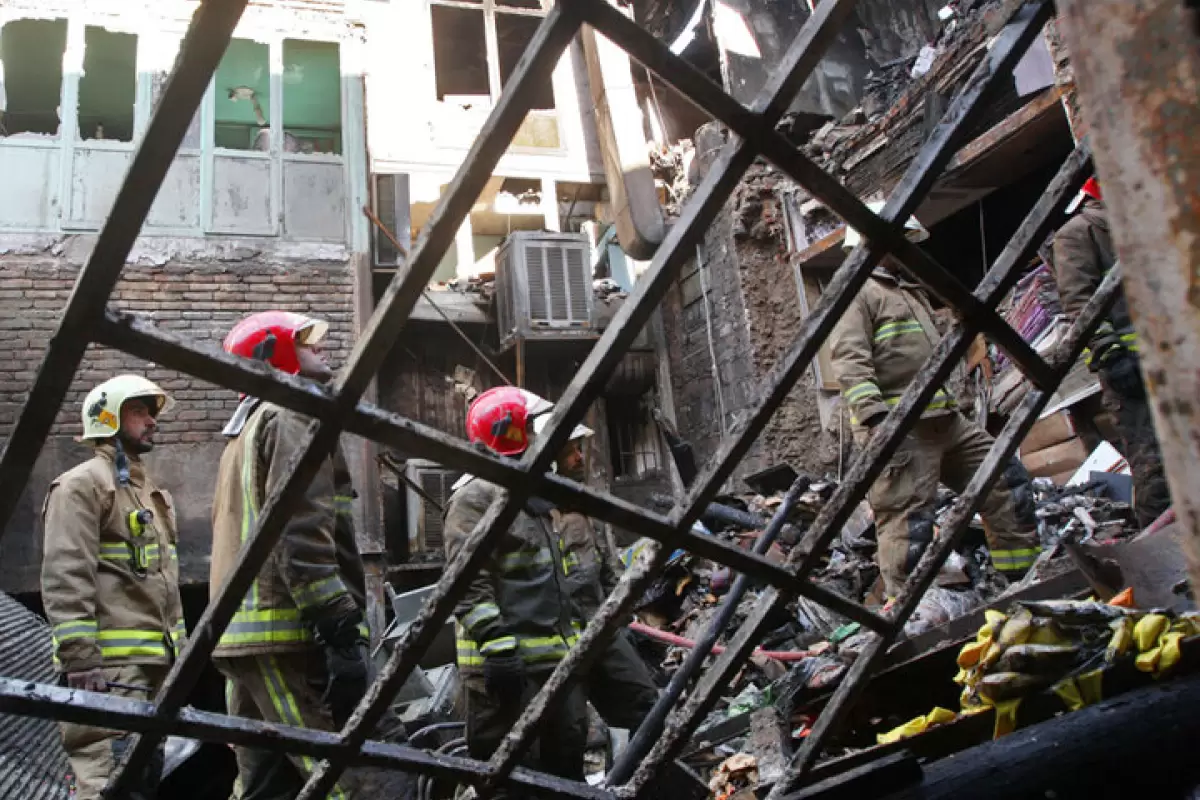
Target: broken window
<point>392,208</point>
<point>243,104</point>
<point>633,438</point>
<point>108,86</point>
<point>460,61</point>
<point>312,97</point>
<point>160,57</point>
<point>31,73</point>
<point>514,32</point>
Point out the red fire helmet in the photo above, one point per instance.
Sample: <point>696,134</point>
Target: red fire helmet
<point>273,336</point>
<point>498,418</point>
<point>1092,189</point>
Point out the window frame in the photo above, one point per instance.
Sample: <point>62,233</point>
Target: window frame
<point>490,9</point>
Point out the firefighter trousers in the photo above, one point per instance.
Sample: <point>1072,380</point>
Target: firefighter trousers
<point>287,688</point>
<point>1139,444</point>
<point>93,752</point>
<point>948,449</point>
<point>561,735</point>
<point>619,685</point>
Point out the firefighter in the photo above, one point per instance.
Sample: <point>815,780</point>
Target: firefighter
<point>295,651</point>
<point>618,685</point>
<point>879,345</point>
<point>110,574</point>
<point>517,620</point>
<point>1083,254</point>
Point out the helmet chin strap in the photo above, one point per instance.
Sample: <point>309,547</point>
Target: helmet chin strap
<point>121,460</point>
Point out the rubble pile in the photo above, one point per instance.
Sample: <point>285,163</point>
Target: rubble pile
<point>810,648</point>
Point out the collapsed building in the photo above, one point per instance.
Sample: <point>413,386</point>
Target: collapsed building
<point>300,127</point>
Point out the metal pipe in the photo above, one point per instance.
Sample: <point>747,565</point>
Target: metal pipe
<point>651,727</point>
<point>716,513</point>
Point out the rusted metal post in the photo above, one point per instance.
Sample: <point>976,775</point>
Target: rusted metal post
<point>1137,69</point>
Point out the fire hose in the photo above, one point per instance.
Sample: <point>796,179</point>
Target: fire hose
<point>679,641</point>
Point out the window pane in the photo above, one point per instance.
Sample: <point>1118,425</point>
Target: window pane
<point>312,97</point>
<point>108,86</point>
<point>32,57</point>
<point>513,34</point>
<point>243,103</point>
<point>534,4</point>
<point>459,53</point>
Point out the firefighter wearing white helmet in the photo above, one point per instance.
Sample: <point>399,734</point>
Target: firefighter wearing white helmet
<point>879,345</point>
<point>619,685</point>
<point>110,574</point>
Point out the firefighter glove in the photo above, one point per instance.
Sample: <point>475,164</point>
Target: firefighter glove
<point>345,649</point>
<point>1123,374</point>
<point>504,676</point>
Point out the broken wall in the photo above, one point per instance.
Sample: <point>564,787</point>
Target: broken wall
<point>199,300</point>
<point>727,321</point>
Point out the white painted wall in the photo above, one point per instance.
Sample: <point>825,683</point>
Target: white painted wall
<point>66,185</point>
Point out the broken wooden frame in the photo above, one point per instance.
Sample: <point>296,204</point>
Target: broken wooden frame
<point>338,408</point>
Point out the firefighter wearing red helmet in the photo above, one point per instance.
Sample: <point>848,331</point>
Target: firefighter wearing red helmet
<point>295,651</point>
<point>517,619</point>
<point>1083,254</point>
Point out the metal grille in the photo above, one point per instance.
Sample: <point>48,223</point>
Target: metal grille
<point>541,306</point>
<point>436,482</point>
<point>338,408</point>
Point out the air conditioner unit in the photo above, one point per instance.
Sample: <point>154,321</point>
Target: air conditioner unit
<point>424,518</point>
<point>544,287</point>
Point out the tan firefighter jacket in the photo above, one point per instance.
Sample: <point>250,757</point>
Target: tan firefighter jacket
<point>880,344</point>
<point>1083,255</point>
<point>519,600</point>
<point>110,585</point>
<point>587,561</point>
<point>302,579</point>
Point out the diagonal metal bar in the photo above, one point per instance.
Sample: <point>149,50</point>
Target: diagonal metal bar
<point>1008,48</point>
<point>48,701</point>
<point>709,97</point>
<point>537,62</point>
<point>953,529</point>
<point>799,61</point>
<point>205,42</point>
<point>139,337</point>
<point>396,306</point>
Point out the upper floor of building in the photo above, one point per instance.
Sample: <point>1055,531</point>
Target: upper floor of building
<point>310,99</point>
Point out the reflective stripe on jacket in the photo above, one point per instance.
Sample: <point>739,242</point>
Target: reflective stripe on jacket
<point>1083,255</point>
<point>519,600</point>
<point>302,580</point>
<point>587,561</point>
<point>110,596</point>
<point>880,344</point>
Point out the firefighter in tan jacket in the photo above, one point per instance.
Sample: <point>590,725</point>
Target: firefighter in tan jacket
<point>295,651</point>
<point>110,575</point>
<point>879,345</point>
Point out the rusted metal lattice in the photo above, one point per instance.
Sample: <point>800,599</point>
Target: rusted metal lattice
<point>338,408</point>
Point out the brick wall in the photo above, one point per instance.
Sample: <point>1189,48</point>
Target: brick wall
<point>202,300</point>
